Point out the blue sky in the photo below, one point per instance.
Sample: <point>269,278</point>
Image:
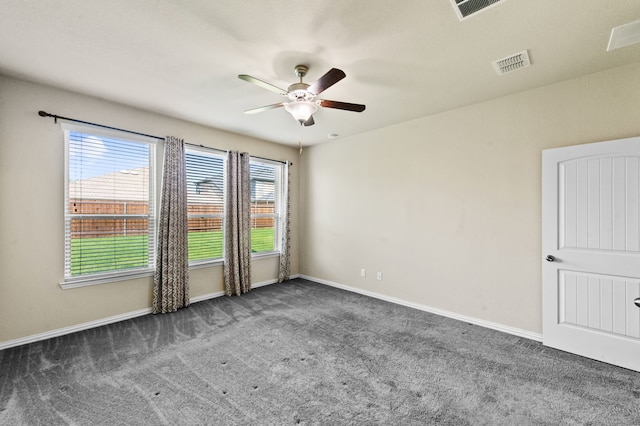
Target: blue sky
<point>91,156</point>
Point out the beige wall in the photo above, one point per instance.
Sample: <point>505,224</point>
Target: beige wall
<point>31,210</point>
<point>447,207</point>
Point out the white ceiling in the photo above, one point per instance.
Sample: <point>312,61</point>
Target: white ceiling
<point>404,59</point>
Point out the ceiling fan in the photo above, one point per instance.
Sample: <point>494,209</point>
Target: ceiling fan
<point>302,96</point>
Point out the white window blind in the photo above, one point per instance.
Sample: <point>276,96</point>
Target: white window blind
<point>109,205</point>
<point>205,199</point>
<point>266,196</point>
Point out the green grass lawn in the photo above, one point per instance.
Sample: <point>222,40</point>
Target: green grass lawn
<point>262,239</point>
<point>208,245</point>
<point>93,255</point>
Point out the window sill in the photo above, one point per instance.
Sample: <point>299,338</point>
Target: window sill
<point>198,264</point>
<point>265,254</point>
<point>103,279</point>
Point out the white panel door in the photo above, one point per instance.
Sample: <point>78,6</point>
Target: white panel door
<point>591,250</point>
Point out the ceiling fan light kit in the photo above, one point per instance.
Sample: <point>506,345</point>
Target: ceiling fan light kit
<point>302,103</point>
<point>301,110</point>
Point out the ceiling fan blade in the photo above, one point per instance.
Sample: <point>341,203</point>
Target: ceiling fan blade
<point>309,122</point>
<point>262,84</point>
<point>264,108</point>
<point>342,105</point>
<point>332,76</point>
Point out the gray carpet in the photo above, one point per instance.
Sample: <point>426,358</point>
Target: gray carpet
<point>304,353</point>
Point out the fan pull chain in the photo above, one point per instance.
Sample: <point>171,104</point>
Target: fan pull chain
<point>300,146</point>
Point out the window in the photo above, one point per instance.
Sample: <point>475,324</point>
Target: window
<point>205,200</point>
<point>109,208</point>
<point>110,221</point>
<point>266,199</point>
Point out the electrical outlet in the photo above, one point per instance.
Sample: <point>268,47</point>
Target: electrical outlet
<point>363,272</point>
<point>379,276</point>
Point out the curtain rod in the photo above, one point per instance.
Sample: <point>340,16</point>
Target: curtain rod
<point>56,117</point>
<point>75,120</point>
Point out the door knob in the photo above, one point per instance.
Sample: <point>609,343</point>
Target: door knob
<point>637,301</point>
<point>550,258</point>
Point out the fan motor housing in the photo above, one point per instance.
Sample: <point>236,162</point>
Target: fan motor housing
<point>299,92</point>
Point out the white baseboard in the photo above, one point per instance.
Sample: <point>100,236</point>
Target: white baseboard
<point>110,320</point>
<point>482,323</point>
<point>74,328</point>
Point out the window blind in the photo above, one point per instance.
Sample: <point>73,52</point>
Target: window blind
<point>109,205</point>
<point>205,199</point>
<point>265,201</point>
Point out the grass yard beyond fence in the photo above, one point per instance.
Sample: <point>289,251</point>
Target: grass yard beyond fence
<point>93,255</point>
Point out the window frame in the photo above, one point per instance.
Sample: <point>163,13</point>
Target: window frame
<point>155,179</point>
<point>279,199</point>
<point>70,281</point>
<point>213,152</point>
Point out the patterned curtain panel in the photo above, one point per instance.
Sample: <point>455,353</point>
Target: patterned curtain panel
<point>171,278</point>
<point>285,243</point>
<point>237,225</point>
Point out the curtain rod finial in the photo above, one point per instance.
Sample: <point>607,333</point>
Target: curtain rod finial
<point>43,113</point>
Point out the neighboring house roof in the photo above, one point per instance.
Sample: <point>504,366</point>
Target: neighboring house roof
<point>130,185</point>
<point>262,188</point>
<point>262,183</point>
<point>206,191</point>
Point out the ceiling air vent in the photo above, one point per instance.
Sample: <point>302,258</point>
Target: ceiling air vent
<point>466,8</point>
<point>512,63</point>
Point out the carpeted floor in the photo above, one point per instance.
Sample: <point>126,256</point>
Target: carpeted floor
<point>305,353</point>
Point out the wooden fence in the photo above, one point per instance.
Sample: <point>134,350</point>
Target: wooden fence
<point>123,226</point>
